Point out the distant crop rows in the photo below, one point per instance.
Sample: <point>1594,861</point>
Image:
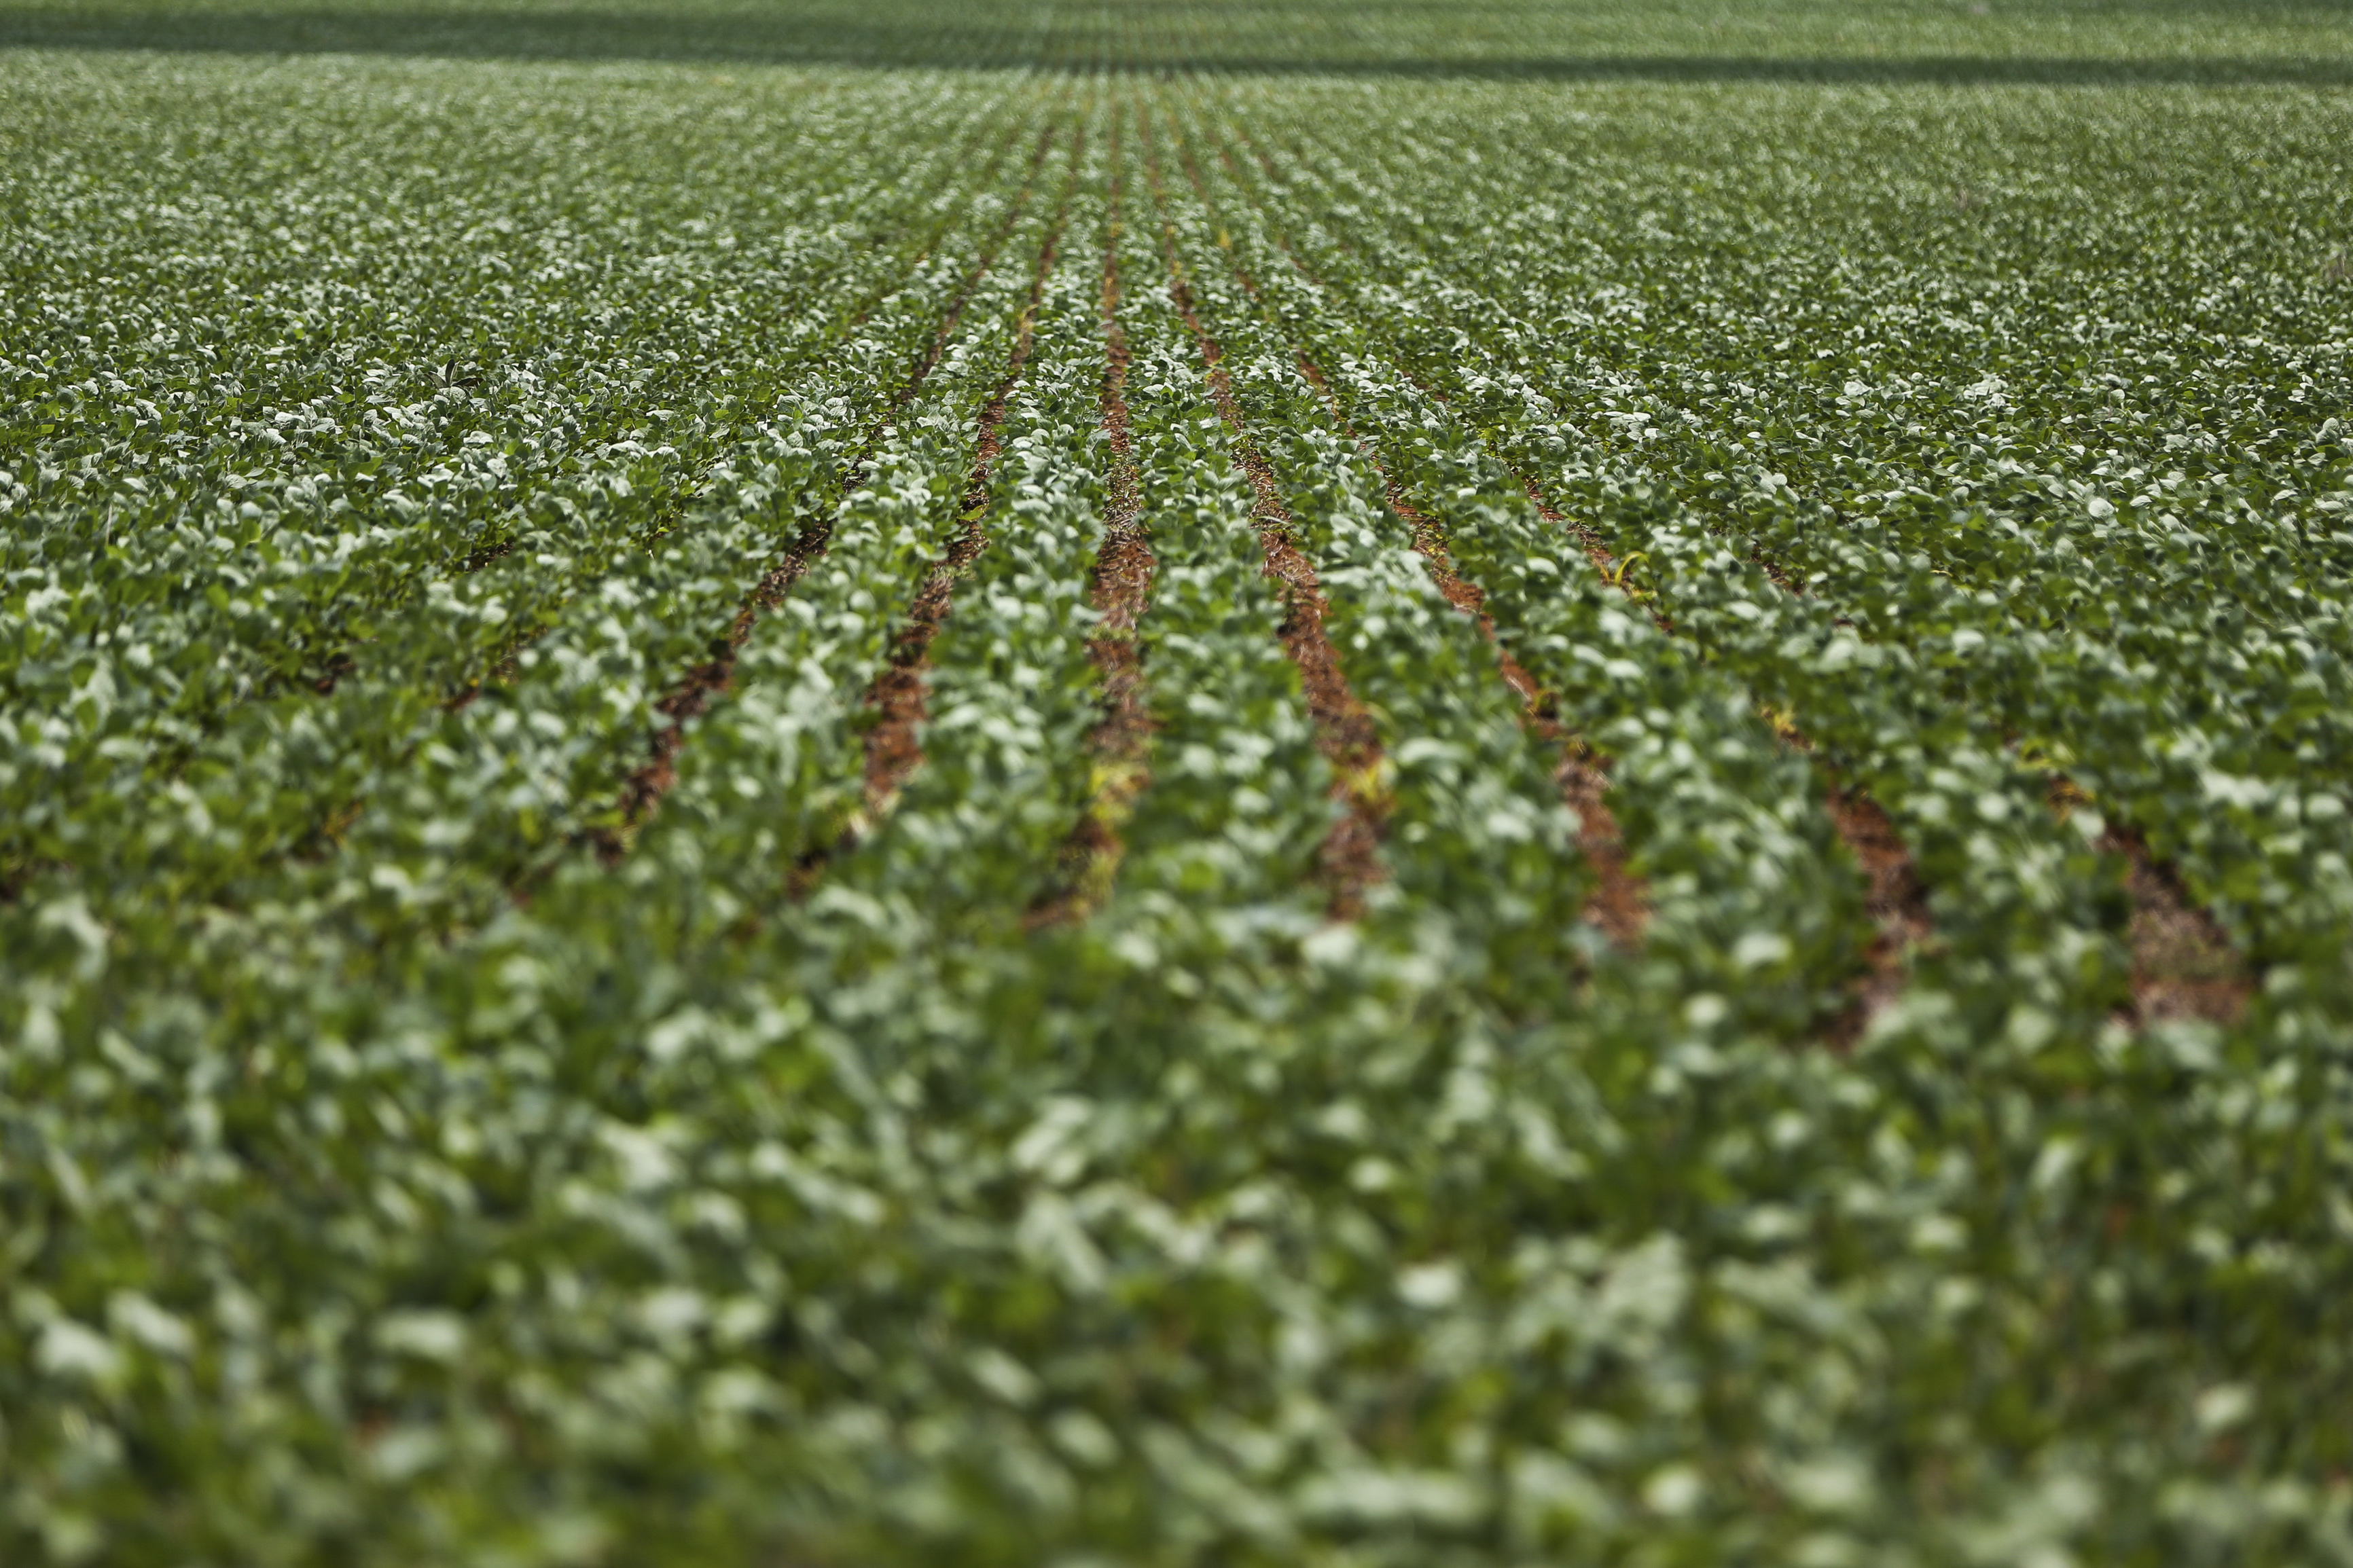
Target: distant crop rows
<point>1037,817</point>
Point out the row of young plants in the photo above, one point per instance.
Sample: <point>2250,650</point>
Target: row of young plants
<point>2031,601</point>
<point>130,662</point>
<point>1749,898</point>
<point>1023,1166</point>
<point>1473,830</point>
<point>545,1287</point>
<point>1711,595</point>
<point>774,782</point>
<point>475,793</point>
<point>2257,1197</point>
<point>325,1036</point>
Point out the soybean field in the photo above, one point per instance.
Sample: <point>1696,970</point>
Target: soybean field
<point>1073,783</point>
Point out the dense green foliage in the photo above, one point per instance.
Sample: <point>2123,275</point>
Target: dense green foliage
<point>501,1061</point>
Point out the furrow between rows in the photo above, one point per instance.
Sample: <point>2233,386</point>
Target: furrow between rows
<point>1120,592</point>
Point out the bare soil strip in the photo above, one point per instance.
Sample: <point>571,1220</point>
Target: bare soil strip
<point>2183,964</point>
<point>1349,860</point>
<point>642,792</point>
<point>1122,741</point>
<point>1894,900</point>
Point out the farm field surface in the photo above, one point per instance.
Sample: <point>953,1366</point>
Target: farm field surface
<point>1176,782</point>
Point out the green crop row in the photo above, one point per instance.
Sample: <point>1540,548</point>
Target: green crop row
<point>515,1048</point>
